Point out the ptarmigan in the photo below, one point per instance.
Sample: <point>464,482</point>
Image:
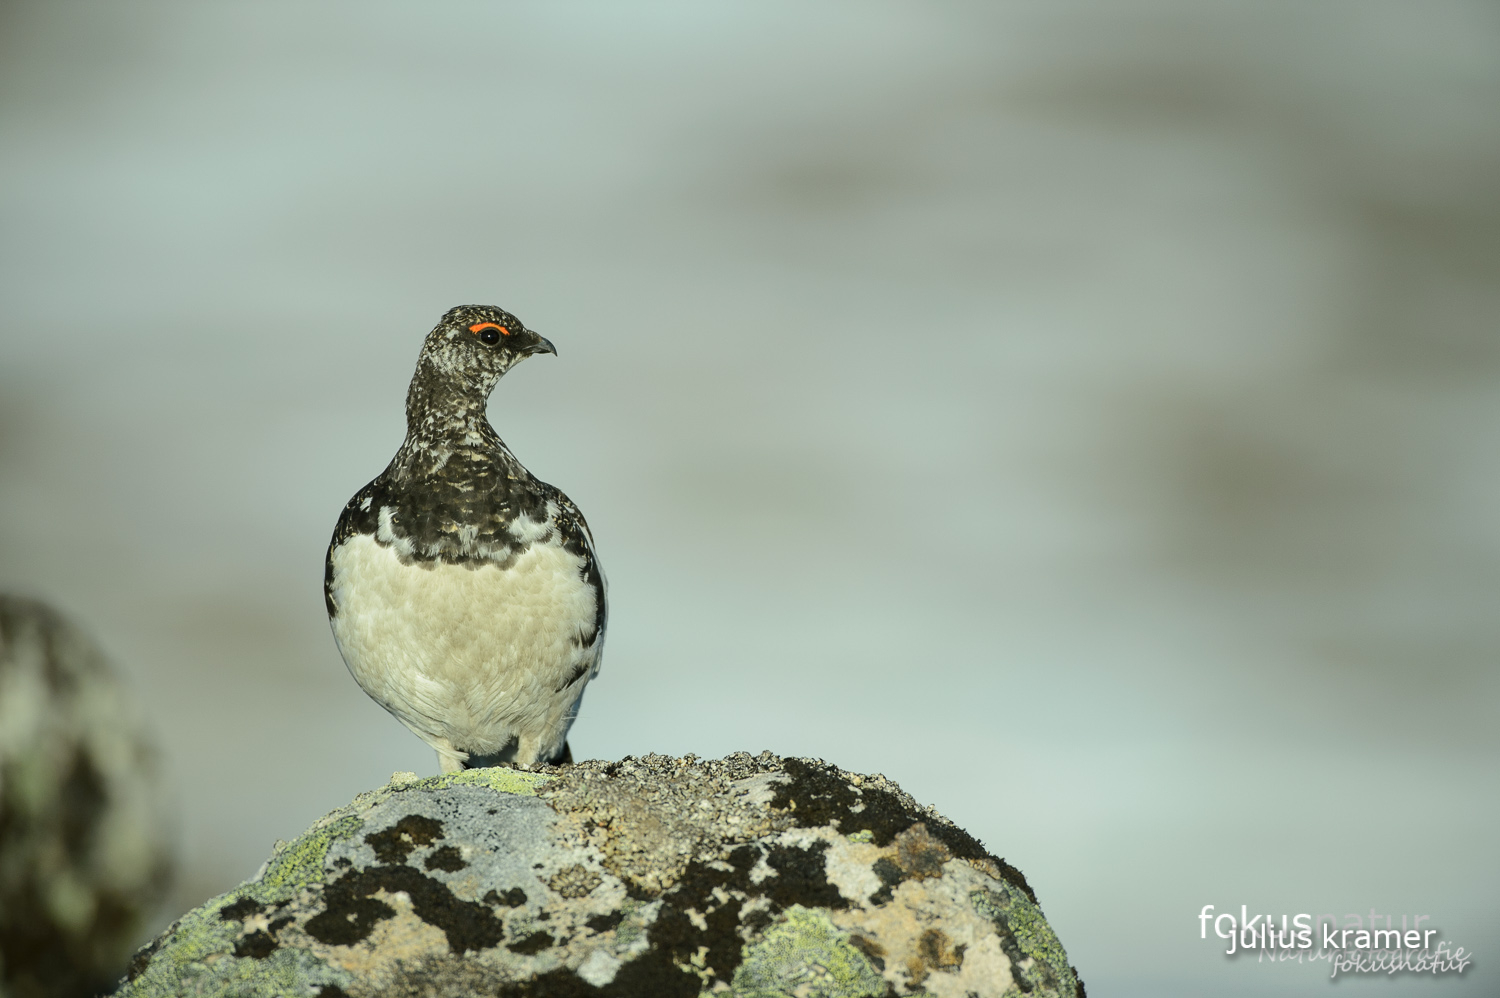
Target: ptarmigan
<point>463,592</point>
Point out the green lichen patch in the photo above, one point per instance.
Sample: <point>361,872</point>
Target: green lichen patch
<point>1022,925</point>
<point>805,954</point>
<point>300,863</point>
<point>635,918</point>
<point>283,972</point>
<point>501,778</point>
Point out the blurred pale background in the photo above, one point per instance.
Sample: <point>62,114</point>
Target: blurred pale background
<point>1083,413</point>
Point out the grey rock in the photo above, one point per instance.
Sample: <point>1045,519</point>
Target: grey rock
<point>83,853</point>
<point>747,876</point>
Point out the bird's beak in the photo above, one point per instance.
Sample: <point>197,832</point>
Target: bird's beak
<point>543,345</point>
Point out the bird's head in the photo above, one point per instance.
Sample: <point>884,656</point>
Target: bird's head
<point>473,345</point>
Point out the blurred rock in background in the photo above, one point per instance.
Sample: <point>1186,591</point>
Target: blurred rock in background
<point>83,854</point>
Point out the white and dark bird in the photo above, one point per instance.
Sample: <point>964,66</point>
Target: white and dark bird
<point>464,593</point>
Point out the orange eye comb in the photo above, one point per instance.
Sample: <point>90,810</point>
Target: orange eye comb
<point>488,325</point>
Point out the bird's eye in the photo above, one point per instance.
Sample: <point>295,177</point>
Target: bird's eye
<point>489,332</point>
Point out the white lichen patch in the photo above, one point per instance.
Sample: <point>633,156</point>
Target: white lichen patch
<point>851,868</point>
<point>599,967</point>
<point>759,789</point>
<point>985,973</point>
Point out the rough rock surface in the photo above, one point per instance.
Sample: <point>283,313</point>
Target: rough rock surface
<point>83,855</point>
<point>748,876</point>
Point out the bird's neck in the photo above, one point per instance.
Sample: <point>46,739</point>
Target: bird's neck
<point>444,419</point>
<point>439,408</point>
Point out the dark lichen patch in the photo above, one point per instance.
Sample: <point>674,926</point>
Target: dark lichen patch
<point>447,858</point>
<point>257,945</point>
<point>347,919</point>
<point>801,878</point>
<point>513,898</point>
<point>331,991</point>
<point>532,944</point>
<point>559,983</point>
<point>817,796</point>
<point>675,937</point>
<point>606,923</point>
<point>757,921</point>
<point>396,843</point>
<point>352,911</point>
<point>240,910</point>
<point>890,876</point>
<point>723,939</point>
<point>1015,878</point>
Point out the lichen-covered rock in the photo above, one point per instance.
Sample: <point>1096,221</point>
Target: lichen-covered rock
<point>746,876</point>
<point>83,857</point>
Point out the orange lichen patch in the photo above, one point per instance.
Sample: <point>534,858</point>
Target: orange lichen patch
<point>935,951</point>
<point>919,854</point>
